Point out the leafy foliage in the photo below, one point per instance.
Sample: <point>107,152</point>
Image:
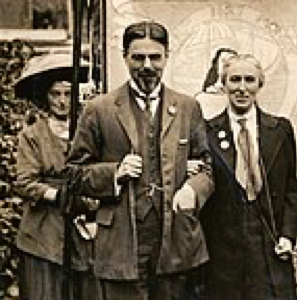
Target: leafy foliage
<point>13,57</point>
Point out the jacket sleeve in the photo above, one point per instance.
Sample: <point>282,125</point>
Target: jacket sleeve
<point>30,183</point>
<point>290,206</point>
<point>28,169</point>
<point>90,176</point>
<point>202,183</point>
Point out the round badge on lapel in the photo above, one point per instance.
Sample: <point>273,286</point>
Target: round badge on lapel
<point>172,110</point>
<point>224,144</point>
<point>222,134</point>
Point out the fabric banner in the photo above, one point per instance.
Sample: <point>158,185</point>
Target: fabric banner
<point>264,28</point>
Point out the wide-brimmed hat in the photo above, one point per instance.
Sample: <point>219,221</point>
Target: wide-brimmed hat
<point>44,69</point>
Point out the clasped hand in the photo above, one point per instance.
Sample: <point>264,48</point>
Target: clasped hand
<point>284,248</point>
<point>194,166</point>
<point>130,167</point>
<point>184,198</point>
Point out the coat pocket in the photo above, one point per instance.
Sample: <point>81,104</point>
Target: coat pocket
<point>33,221</point>
<point>188,246</point>
<point>105,217</point>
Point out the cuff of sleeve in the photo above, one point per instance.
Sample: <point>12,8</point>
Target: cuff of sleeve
<point>117,187</point>
<point>51,194</point>
<point>203,187</point>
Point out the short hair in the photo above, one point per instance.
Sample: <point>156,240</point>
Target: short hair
<point>145,29</point>
<point>212,74</point>
<point>243,57</point>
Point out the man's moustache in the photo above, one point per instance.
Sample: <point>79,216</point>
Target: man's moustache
<point>147,74</point>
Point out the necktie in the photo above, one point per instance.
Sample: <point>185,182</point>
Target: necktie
<point>145,202</point>
<point>247,168</point>
<point>148,108</point>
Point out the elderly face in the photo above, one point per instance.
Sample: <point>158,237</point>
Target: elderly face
<point>59,96</point>
<point>242,85</point>
<point>146,60</point>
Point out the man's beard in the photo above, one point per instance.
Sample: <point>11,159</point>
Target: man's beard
<point>148,84</point>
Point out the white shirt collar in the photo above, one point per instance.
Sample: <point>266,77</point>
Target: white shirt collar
<point>251,124</point>
<point>59,128</point>
<point>154,94</point>
<point>251,115</point>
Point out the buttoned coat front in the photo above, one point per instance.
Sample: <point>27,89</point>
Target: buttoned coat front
<point>223,215</point>
<point>107,131</point>
<point>40,162</point>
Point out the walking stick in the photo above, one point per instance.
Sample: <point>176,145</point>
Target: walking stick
<point>68,218</point>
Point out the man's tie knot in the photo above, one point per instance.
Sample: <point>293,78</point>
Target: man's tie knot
<point>144,97</point>
<point>147,101</point>
<point>242,123</point>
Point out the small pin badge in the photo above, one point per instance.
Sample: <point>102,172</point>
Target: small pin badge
<point>172,110</point>
<point>224,144</point>
<point>222,134</point>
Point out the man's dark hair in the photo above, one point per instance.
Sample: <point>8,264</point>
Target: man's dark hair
<point>146,29</point>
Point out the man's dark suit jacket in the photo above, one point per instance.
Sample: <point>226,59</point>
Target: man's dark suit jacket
<point>222,216</point>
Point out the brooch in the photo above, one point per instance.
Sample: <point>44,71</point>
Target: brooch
<point>224,144</point>
<point>172,110</point>
<point>222,134</point>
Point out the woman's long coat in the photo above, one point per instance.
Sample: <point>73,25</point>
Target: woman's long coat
<point>40,165</point>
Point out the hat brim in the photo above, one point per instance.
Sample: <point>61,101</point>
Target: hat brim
<point>34,84</point>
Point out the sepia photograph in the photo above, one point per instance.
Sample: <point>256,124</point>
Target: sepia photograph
<point>148,150</point>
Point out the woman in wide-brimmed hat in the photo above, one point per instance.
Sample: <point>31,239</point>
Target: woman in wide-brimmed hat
<point>40,177</point>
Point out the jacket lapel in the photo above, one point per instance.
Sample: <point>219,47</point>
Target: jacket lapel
<point>269,141</point>
<point>221,140</point>
<point>169,110</point>
<point>125,115</point>
<point>127,120</point>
